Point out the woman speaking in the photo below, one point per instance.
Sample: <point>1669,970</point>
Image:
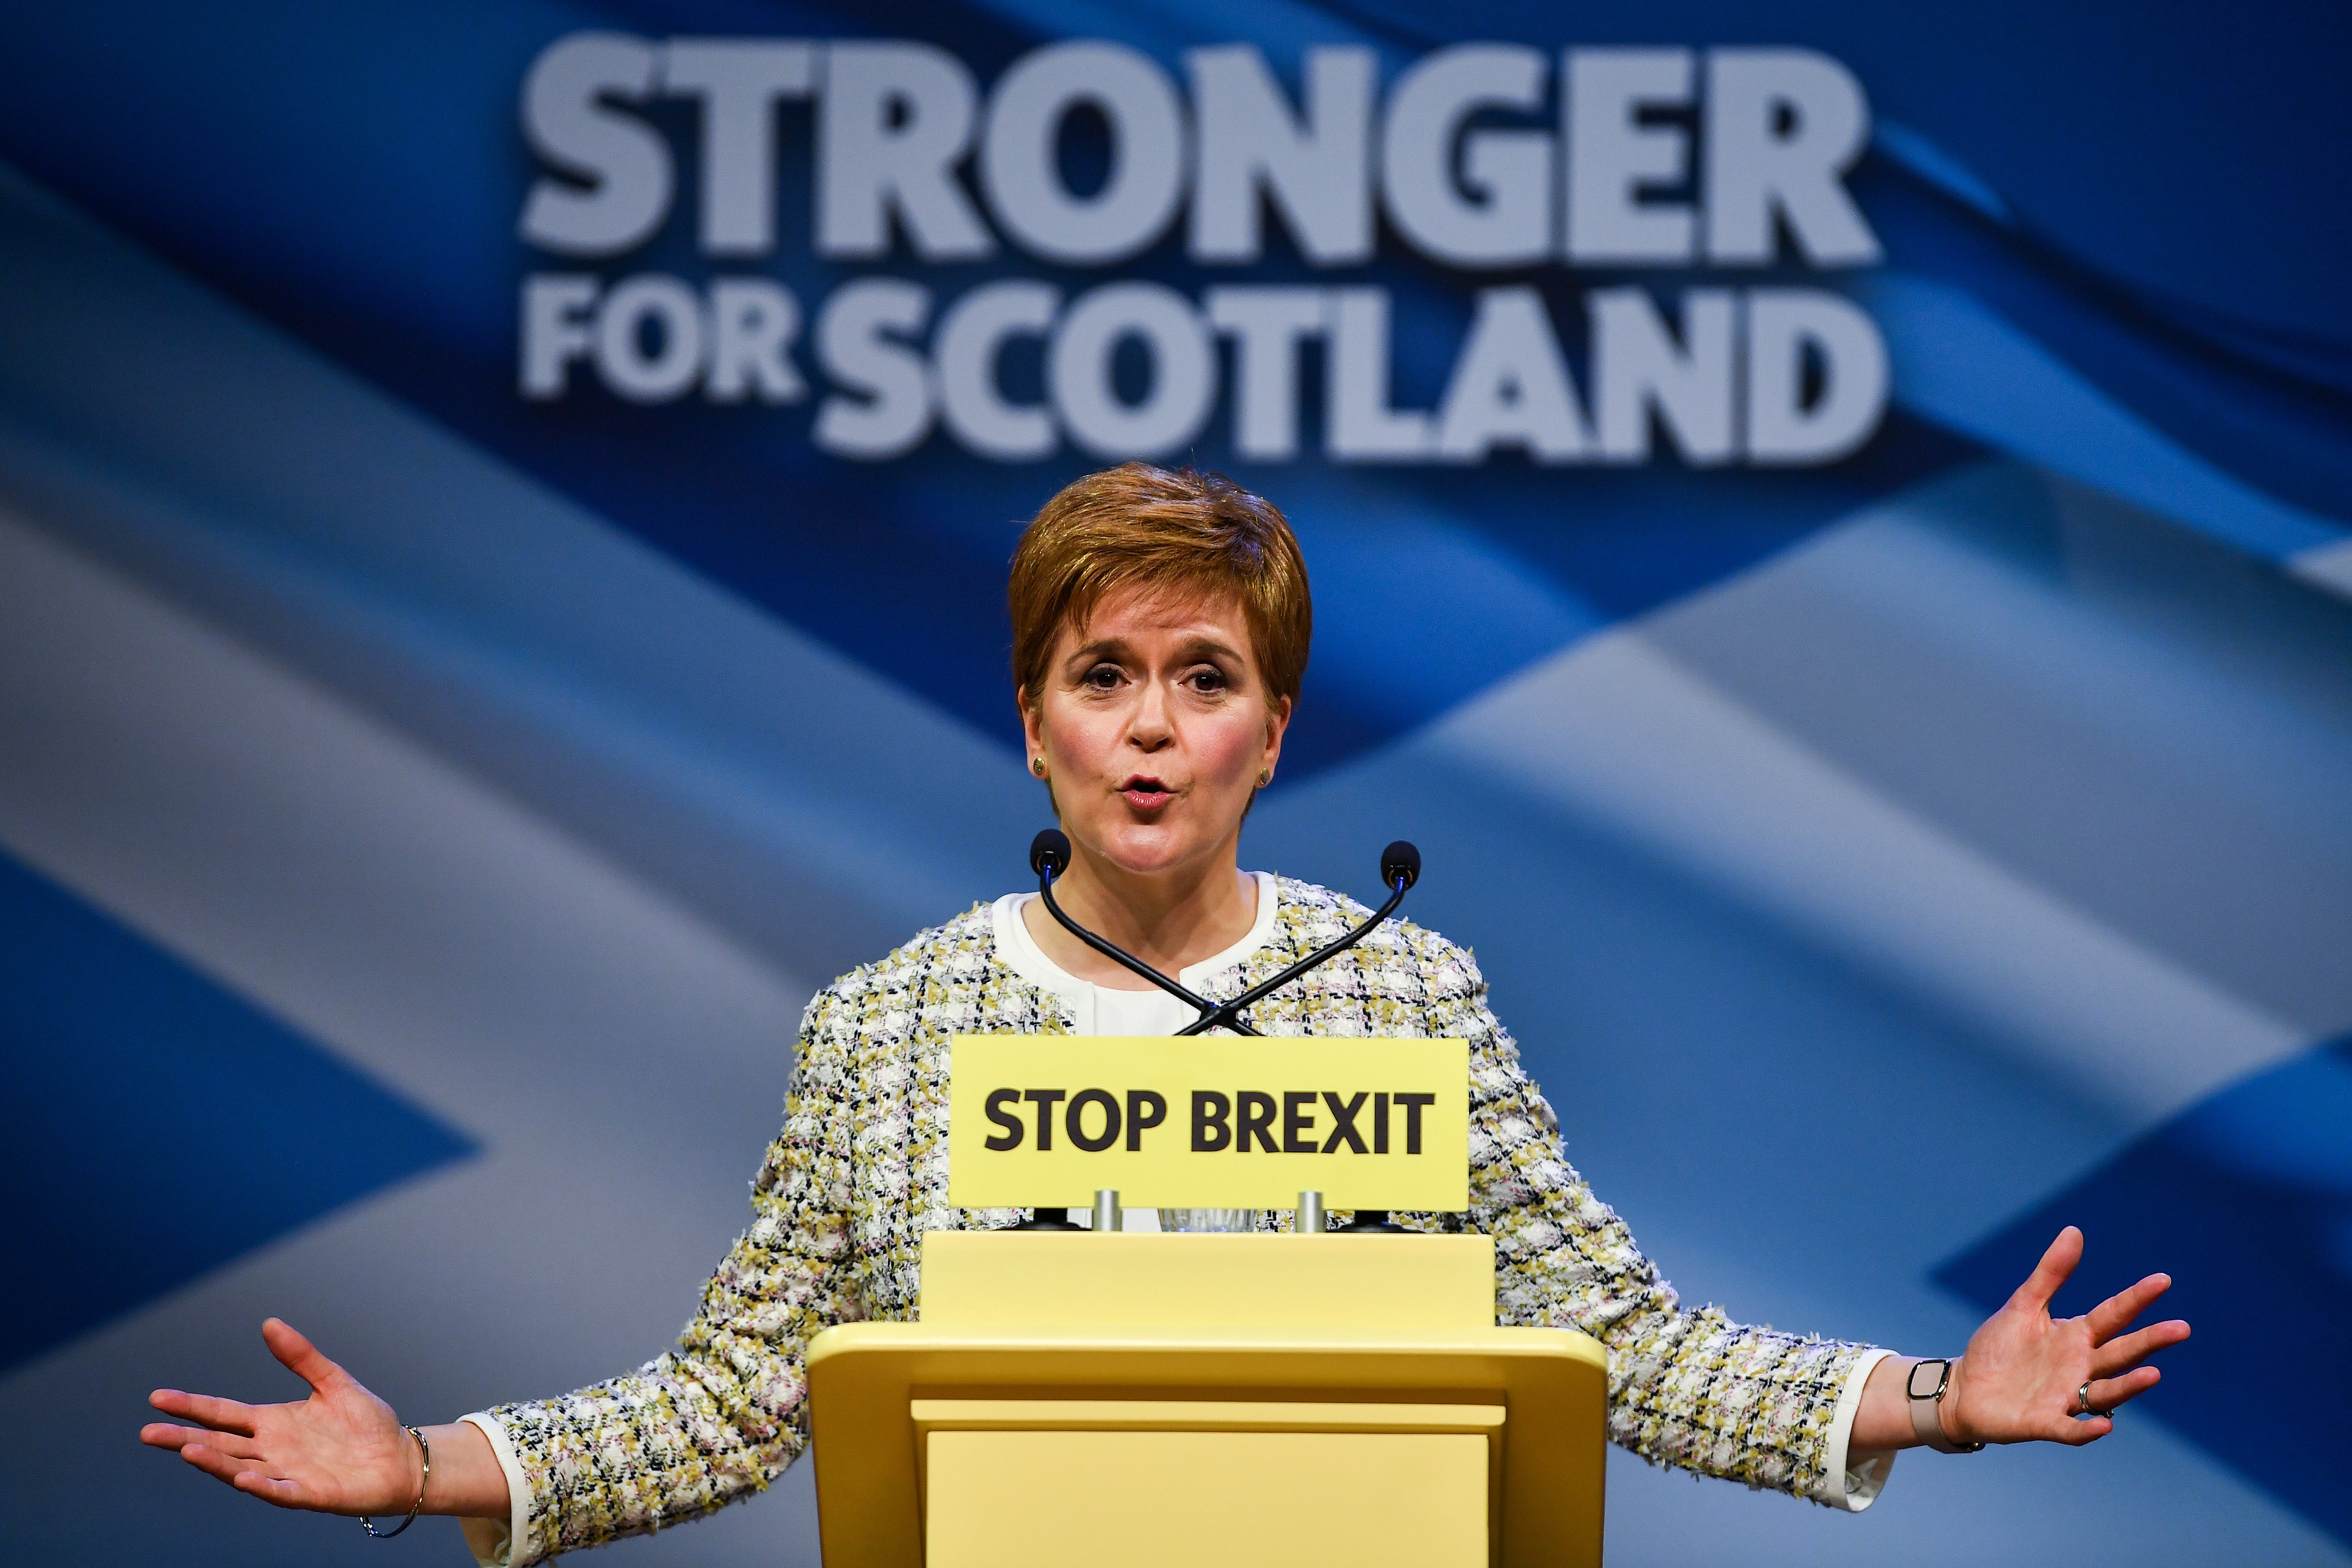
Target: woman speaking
<point>1161,623</point>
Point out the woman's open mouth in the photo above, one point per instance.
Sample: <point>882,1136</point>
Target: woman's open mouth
<point>1146,794</point>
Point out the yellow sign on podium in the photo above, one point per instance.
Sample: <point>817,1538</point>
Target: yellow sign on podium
<point>1208,1121</point>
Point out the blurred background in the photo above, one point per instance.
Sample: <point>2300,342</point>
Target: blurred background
<point>503,512</point>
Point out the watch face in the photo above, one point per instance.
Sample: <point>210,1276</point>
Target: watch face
<point>1926,1379</point>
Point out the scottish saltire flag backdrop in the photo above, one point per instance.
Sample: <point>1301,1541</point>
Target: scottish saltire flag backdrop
<point>1830,526</point>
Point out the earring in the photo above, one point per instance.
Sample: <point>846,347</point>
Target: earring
<point>1262,776</point>
<point>1037,766</point>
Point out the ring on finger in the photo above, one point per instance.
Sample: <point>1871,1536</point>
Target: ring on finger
<point>2083,1396</point>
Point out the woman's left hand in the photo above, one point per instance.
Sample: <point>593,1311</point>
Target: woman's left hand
<point>2022,1378</point>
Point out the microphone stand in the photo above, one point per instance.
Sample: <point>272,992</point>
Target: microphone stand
<point>1229,1014</point>
<point>1049,856</point>
<point>1046,871</point>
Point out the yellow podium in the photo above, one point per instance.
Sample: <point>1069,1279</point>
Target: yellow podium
<point>1147,1401</point>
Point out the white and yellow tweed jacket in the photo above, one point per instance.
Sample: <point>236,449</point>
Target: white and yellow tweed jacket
<point>860,1172</point>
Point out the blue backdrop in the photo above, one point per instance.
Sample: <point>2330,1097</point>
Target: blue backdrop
<point>427,796</point>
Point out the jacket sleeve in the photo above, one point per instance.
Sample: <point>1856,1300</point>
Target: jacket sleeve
<point>718,1418</point>
<point>1688,1388</point>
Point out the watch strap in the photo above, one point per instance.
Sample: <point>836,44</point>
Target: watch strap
<point>1927,1406</point>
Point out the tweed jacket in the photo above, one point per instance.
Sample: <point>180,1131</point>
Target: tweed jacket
<point>860,1172</point>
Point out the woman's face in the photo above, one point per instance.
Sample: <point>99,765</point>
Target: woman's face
<point>1155,723</point>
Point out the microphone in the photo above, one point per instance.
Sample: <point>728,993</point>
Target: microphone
<point>1049,854</point>
<point>1400,868</point>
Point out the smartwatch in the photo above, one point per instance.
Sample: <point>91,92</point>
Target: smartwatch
<point>1925,1383</point>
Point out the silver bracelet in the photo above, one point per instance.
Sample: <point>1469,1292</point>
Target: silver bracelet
<point>424,1449</point>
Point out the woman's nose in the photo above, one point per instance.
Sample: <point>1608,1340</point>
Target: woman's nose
<point>1152,726</point>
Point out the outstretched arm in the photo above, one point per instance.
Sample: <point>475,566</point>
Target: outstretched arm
<point>342,1450</point>
<point>1689,1387</point>
<point>1693,1388</point>
<point>2023,1377</point>
<point>709,1422</point>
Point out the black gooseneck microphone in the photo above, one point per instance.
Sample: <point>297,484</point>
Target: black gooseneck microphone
<point>1049,856</point>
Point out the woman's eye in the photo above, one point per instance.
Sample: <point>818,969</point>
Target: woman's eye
<point>1101,677</point>
<point>1206,682</point>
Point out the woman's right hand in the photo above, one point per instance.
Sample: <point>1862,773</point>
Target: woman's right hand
<point>342,1450</point>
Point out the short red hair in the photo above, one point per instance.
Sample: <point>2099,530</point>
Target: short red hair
<point>1174,531</point>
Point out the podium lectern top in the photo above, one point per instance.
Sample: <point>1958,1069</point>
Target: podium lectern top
<point>1165,1400</point>
<point>1247,1280</point>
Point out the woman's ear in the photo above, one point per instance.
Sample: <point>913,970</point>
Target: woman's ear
<point>1278,721</point>
<point>1032,729</point>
